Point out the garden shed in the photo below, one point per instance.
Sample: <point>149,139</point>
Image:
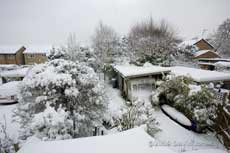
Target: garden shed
<point>138,81</point>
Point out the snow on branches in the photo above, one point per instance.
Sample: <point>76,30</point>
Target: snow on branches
<point>63,91</point>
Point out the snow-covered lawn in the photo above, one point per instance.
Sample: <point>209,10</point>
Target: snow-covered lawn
<point>180,139</point>
<point>6,113</point>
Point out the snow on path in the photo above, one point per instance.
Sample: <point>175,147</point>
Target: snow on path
<point>6,112</point>
<point>116,102</point>
<point>179,138</point>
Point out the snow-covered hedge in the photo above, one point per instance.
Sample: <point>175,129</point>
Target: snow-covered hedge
<point>196,102</point>
<point>60,99</point>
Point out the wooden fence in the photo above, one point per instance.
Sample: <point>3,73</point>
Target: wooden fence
<point>223,120</point>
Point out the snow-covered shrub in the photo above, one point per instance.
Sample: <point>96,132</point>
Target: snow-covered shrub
<point>63,91</point>
<point>196,102</point>
<point>57,53</point>
<point>174,87</point>
<point>52,124</point>
<point>152,125</point>
<point>202,106</point>
<point>155,101</point>
<point>136,114</point>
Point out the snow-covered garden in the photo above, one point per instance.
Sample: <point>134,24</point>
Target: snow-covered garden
<point>75,101</point>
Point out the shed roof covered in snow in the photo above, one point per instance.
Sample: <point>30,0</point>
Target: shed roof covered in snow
<point>131,141</point>
<point>137,71</point>
<point>199,75</point>
<point>10,49</point>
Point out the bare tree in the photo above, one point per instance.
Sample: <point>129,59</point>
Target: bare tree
<point>105,42</point>
<point>222,38</point>
<point>73,47</point>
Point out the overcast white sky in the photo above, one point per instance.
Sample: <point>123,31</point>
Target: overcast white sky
<point>50,21</point>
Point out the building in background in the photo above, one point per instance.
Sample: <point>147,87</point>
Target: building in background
<point>197,44</point>
<point>36,54</point>
<point>23,55</point>
<point>12,55</point>
<point>203,44</point>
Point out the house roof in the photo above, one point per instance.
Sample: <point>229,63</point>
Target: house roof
<point>136,71</point>
<point>130,141</point>
<point>205,41</point>
<point>193,42</point>
<point>199,75</point>
<point>201,52</point>
<point>9,49</point>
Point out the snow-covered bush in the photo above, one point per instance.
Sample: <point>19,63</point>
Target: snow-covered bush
<point>152,125</point>
<point>57,53</point>
<point>174,87</point>
<point>137,113</point>
<point>202,106</point>
<point>59,94</point>
<point>196,102</point>
<point>52,124</point>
